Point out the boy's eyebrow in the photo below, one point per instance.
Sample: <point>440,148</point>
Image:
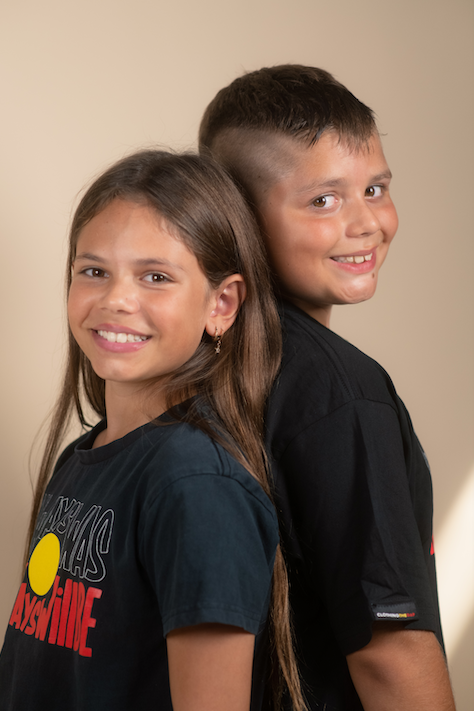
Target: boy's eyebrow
<point>147,262</point>
<point>386,175</point>
<point>335,182</point>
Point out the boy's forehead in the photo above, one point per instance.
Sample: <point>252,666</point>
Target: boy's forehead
<point>261,160</point>
<point>282,156</point>
<point>297,150</point>
<point>321,160</point>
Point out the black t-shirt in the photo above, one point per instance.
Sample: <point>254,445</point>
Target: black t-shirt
<point>354,498</point>
<point>158,530</point>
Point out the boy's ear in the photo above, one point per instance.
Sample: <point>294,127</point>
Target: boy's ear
<point>229,296</point>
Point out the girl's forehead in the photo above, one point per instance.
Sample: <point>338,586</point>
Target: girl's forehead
<point>138,214</point>
<point>124,228</point>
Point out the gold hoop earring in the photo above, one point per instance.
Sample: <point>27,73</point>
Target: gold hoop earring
<point>217,341</point>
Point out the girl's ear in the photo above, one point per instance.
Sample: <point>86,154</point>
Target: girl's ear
<point>229,297</point>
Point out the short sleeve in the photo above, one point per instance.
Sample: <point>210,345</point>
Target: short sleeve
<point>209,546</point>
<point>353,512</point>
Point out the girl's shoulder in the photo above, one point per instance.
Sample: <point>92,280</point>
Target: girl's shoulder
<point>184,452</point>
<point>159,455</point>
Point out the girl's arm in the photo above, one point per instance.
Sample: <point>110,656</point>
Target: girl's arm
<point>210,667</point>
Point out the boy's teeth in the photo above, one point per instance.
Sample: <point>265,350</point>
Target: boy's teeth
<point>121,337</point>
<point>354,260</point>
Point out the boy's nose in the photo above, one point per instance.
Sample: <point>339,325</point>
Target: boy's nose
<point>362,221</point>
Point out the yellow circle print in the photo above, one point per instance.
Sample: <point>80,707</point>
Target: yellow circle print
<point>44,563</point>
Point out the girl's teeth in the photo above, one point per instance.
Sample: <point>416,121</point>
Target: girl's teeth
<point>121,337</point>
<point>354,260</point>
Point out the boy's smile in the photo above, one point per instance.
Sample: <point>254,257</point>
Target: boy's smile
<point>139,301</point>
<point>328,223</point>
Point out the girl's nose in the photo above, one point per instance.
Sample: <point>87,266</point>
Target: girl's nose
<point>121,295</point>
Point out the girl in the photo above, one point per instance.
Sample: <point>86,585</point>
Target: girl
<point>152,547</point>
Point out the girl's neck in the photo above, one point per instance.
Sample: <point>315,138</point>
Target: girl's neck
<point>127,408</point>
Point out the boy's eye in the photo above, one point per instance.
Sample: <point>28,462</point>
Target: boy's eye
<point>324,201</point>
<point>374,191</point>
<point>155,278</point>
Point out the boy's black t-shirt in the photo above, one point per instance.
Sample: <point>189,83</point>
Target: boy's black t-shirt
<point>354,498</point>
<point>158,530</point>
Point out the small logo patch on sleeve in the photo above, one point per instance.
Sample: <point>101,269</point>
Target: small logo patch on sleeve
<point>398,612</point>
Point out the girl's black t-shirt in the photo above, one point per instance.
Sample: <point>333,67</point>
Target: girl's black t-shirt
<point>158,530</point>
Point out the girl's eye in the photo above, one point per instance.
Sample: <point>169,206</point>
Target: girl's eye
<point>374,191</point>
<point>155,278</point>
<point>94,272</point>
<point>324,201</point>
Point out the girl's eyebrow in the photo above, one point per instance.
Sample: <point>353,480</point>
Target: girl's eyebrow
<point>88,256</point>
<point>146,262</point>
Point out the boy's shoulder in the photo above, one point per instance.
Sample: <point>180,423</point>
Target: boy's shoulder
<point>320,366</point>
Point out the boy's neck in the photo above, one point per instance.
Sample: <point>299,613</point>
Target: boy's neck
<point>322,314</point>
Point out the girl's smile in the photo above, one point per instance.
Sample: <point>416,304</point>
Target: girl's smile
<point>118,341</point>
<point>139,301</point>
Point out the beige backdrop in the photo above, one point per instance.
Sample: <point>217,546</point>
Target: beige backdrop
<point>84,83</point>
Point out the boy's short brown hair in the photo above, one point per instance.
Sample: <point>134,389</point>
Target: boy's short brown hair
<point>248,123</point>
<point>291,99</point>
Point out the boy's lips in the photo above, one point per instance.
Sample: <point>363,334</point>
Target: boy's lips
<point>356,257</point>
<point>357,263</point>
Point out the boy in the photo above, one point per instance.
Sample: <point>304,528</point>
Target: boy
<point>353,488</point>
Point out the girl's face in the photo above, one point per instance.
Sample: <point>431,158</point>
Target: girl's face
<point>139,301</point>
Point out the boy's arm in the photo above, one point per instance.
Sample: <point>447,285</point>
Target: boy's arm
<point>401,670</point>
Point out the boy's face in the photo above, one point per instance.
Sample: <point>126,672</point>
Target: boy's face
<point>328,223</point>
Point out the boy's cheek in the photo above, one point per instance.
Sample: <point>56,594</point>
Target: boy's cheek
<point>391,222</point>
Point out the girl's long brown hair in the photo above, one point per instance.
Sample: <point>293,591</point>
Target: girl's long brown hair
<point>205,210</point>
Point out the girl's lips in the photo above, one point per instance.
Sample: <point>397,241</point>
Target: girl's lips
<point>112,328</point>
<point>121,336</point>
<point>119,341</point>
